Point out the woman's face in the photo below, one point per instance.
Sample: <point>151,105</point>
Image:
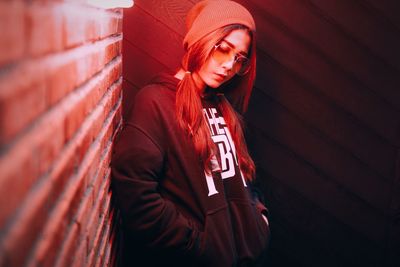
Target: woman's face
<point>216,71</point>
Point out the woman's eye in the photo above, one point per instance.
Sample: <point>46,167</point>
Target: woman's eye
<point>239,59</point>
<point>225,49</point>
<point>242,60</point>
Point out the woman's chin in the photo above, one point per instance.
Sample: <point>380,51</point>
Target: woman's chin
<point>213,83</point>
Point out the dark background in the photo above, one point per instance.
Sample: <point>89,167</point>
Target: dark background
<point>323,123</point>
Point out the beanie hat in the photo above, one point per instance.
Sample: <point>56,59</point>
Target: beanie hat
<point>208,15</point>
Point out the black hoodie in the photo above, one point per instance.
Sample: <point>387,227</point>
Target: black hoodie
<point>173,213</point>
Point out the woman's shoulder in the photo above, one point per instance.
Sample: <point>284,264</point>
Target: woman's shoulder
<point>160,88</point>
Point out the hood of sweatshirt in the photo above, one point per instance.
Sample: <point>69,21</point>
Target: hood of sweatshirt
<point>166,79</point>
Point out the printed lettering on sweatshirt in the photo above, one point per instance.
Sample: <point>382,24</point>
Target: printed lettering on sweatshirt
<point>227,151</point>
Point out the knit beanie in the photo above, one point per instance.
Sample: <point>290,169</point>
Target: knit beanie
<point>208,15</point>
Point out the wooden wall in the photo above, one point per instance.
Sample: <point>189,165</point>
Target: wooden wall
<point>323,123</point>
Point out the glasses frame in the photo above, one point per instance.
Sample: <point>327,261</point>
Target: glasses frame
<point>236,57</point>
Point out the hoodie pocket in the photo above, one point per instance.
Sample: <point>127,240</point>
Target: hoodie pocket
<point>250,230</point>
<point>217,244</point>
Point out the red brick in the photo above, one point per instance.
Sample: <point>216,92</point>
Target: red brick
<point>69,248</point>
<point>112,50</point>
<point>100,179</point>
<point>21,100</point>
<point>87,24</point>
<point>107,136</point>
<point>111,25</point>
<point>43,216</point>
<point>35,151</point>
<point>24,233</point>
<point>106,149</point>
<point>91,27</point>
<point>81,216</point>
<point>79,259</point>
<point>93,237</point>
<point>74,118</point>
<point>105,208</point>
<point>64,168</point>
<point>61,80</point>
<point>95,63</point>
<point>100,222</point>
<point>21,237</point>
<point>105,261</point>
<point>62,215</point>
<point>101,249</point>
<point>74,23</point>
<point>44,29</point>
<point>72,195</point>
<point>67,72</point>
<point>114,238</point>
<point>97,184</point>
<point>120,23</point>
<point>25,90</point>
<point>85,101</point>
<point>12,30</point>
<point>78,193</point>
<point>61,136</point>
<point>50,144</point>
<point>76,114</point>
<point>13,177</point>
<point>97,124</point>
<point>73,69</point>
<point>86,205</point>
<point>55,241</point>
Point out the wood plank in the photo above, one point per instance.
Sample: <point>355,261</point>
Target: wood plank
<point>338,244</point>
<point>393,233</point>
<point>282,250</point>
<point>307,179</point>
<point>388,8</point>
<point>325,78</point>
<point>319,152</point>
<point>322,115</point>
<point>153,37</point>
<point>139,67</point>
<point>393,249</point>
<point>172,13</point>
<point>325,158</point>
<point>331,45</point>
<point>348,247</point>
<point>364,24</point>
<point>295,246</point>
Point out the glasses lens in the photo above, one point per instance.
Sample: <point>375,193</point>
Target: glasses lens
<point>223,52</point>
<point>242,65</point>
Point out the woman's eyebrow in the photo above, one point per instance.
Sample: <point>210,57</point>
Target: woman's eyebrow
<point>243,53</point>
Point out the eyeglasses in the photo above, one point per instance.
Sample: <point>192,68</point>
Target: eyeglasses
<point>223,52</point>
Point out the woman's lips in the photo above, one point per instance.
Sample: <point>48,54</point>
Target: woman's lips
<point>220,76</point>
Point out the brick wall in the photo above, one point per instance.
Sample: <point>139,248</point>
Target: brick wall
<point>60,106</point>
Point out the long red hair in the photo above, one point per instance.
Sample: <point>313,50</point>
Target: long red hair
<point>189,110</point>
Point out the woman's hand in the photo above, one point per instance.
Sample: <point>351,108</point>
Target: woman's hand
<point>265,219</point>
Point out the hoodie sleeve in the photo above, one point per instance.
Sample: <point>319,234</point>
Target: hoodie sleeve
<point>137,166</point>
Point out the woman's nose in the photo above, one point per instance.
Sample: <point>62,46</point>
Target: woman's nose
<point>229,62</point>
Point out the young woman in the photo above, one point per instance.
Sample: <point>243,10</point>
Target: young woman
<point>182,174</point>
